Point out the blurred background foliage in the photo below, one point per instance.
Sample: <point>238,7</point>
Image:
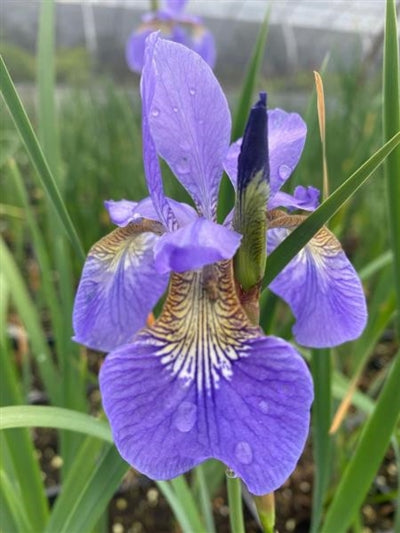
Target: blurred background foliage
<point>98,130</point>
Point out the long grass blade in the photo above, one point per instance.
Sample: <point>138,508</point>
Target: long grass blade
<point>281,256</point>
<point>391,125</point>
<point>53,417</point>
<point>30,318</point>
<point>321,416</point>
<point>367,456</point>
<point>227,194</point>
<point>36,155</point>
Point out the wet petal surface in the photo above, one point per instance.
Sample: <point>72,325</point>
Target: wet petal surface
<point>203,382</point>
<point>118,288</point>
<point>189,119</point>
<point>321,287</point>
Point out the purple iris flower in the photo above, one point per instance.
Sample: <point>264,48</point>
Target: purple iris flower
<point>203,381</point>
<point>175,25</point>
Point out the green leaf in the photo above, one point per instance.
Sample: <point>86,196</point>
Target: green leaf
<point>48,134</point>
<point>252,74</point>
<point>321,419</point>
<point>31,320</point>
<point>36,155</point>
<point>227,193</point>
<point>369,452</point>
<point>53,417</point>
<point>91,502</point>
<point>391,126</point>
<point>281,256</point>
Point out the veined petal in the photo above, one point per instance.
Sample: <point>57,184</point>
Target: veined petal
<point>199,243</point>
<point>203,382</point>
<point>122,212</point>
<point>119,287</point>
<point>189,119</point>
<point>306,198</point>
<point>286,138</point>
<point>150,159</point>
<point>320,285</point>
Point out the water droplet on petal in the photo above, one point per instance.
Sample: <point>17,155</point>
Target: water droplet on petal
<point>186,416</point>
<point>183,166</point>
<point>155,112</point>
<point>264,407</point>
<point>243,452</point>
<point>284,172</point>
<point>175,109</point>
<point>230,473</point>
<point>192,91</point>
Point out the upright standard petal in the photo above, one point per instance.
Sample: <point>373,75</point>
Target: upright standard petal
<point>286,137</point>
<point>203,382</point>
<point>320,285</point>
<point>189,119</point>
<point>119,287</point>
<point>175,7</point>
<point>199,243</point>
<point>150,159</point>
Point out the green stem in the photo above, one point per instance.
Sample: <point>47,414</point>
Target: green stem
<point>235,505</point>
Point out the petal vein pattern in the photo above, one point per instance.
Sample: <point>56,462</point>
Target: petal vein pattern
<point>203,328</point>
<point>203,382</point>
<point>119,287</point>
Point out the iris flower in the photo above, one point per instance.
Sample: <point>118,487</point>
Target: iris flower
<point>203,381</point>
<point>175,25</point>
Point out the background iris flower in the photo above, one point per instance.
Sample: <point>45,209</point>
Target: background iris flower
<point>175,25</point>
<point>204,381</point>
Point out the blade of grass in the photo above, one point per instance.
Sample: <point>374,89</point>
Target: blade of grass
<point>321,417</point>
<point>91,502</point>
<point>227,193</point>
<point>391,125</point>
<point>186,500</point>
<point>205,499</point>
<point>48,134</point>
<point>10,499</point>
<point>16,446</point>
<point>36,155</point>
<point>53,417</point>
<point>281,256</point>
<point>30,318</point>
<point>371,447</point>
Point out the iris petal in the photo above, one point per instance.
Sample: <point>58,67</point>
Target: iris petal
<point>306,198</point>
<point>197,244</point>
<point>203,382</point>
<point>122,212</point>
<point>134,49</point>
<point>189,119</point>
<point>119,287</point>
<point>321,287</point>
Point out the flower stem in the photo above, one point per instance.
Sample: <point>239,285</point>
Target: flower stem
<point>235,505</point>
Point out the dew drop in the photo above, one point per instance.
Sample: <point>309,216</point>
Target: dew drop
<point>175,109</point>
<point>155,112</point>
<point>183,166</point>
<point>186,416</point>
<point>192,91</point>
<point>284,172</point>
<point>243,452</point>
<point>230,473</point>
<point>264,407</point>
